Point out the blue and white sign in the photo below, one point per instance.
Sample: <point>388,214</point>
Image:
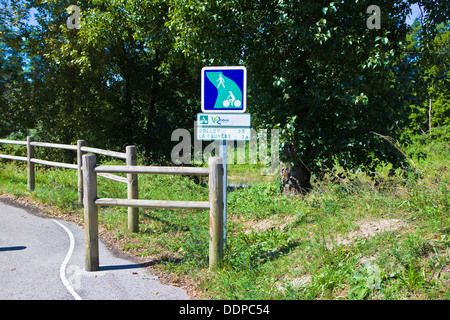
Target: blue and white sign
<point>224,89</point>
<point>213,126</point>
<point>223,120</point>
<point>223,133</point>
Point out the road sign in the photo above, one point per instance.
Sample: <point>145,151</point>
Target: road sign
<point>224,89</point>
<point>222,133</point>
<point>223,120</point>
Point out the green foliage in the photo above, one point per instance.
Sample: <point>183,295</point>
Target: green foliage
<point>16,114</point>
<point>260,200</point>
<point>365,281</point>
<point>251,249</point>
<point>332,79</point>
<point>130,75</point>
<point>278,247</point>
<point>413,277</point>
<point>430,67</point>
<point>109,82</point>
<point>333,278</point>
<point>58,188</point>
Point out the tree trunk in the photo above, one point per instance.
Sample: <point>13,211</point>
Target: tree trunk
<point>296,179</point>
<point>150,134</point>
<point>429,117</point>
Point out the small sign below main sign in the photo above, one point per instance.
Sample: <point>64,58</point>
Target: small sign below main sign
<point>226,134</point>
<point>224,89</point>
<point>224,120</point>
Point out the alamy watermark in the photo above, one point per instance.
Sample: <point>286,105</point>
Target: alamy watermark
<point>238,152</point>
<point>73,21</point>
<point>374,21</point>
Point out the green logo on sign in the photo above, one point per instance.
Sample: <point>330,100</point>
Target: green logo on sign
<point>204,119</point>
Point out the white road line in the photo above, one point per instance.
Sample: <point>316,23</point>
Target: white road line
<point>62,269</point>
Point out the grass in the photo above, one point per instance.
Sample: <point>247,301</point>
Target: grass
<point>352,237</point>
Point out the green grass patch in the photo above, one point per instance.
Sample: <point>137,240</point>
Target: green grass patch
<point>352,237</point>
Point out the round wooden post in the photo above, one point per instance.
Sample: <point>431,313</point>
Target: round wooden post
<point>30,165</point>
<point>80,143</point>
<point>132,189</point>
<point>216,211</point>
<point>91,261</point>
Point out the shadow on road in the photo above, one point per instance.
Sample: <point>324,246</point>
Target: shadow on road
<point>12,248</point>
<point>123,266</point>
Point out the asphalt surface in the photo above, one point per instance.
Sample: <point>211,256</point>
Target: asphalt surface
<point>43,259</point>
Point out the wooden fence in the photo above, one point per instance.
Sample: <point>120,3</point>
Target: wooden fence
<point>87,191</point>
<point>130,157</point>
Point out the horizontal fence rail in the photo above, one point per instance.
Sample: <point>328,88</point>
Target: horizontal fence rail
<point>5,156</point>
<point>92,202</point>
<point>54,164</point>
<point>54,145</point>
<point>155,170</point>
<point>129,156</point>
<point>120,155</point>
<point>23,143</point>
<point>166,204</point>
<point>113,177</point>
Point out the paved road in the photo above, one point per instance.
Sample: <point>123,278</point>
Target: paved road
<point>43,258</point>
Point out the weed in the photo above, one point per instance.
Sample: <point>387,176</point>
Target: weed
<point>308,237</point>
<point>365,281</point>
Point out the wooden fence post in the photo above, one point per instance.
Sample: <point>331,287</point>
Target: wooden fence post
<point>216,211</point>
<point>91,261</point>
<point>132,189</point>
<point>80,143</point>
<point>30,166</point>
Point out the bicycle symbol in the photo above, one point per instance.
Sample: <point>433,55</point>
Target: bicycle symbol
<point>231,101</point>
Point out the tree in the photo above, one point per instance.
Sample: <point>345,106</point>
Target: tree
<point>15,115</point>
<point>130,74</point>
<point>315,70</point>
<point>109,81</point>
<point>431,74</point>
